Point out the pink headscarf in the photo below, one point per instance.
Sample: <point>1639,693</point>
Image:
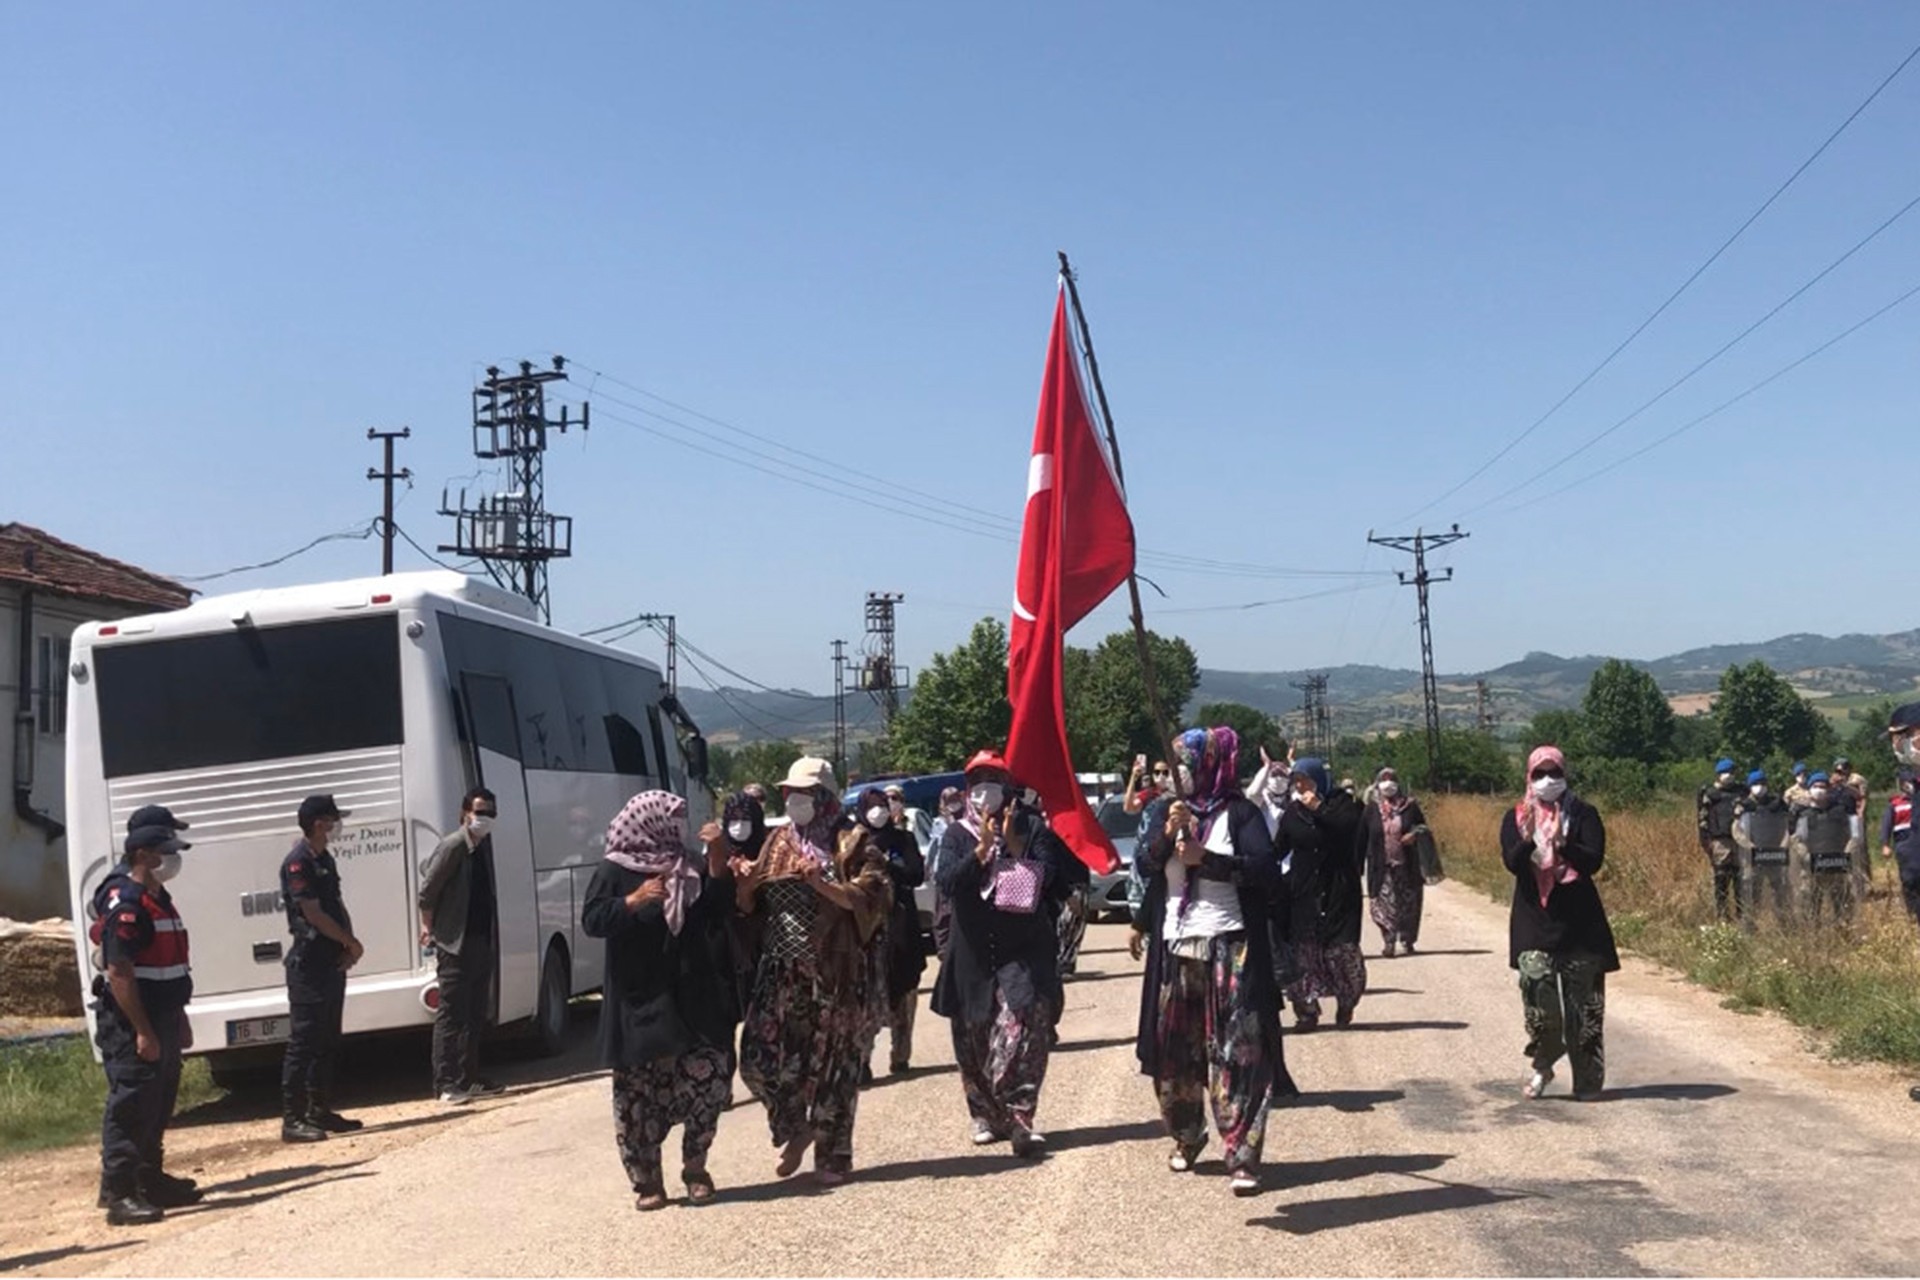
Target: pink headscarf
<point>1549,823</point>
<point>646,840</point>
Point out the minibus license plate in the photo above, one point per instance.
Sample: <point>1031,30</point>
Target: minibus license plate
<point>256,1031</point>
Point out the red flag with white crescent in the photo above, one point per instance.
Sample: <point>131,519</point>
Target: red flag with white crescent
<point>1075,548</point>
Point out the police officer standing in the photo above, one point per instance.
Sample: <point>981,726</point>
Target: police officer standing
<point>1829,830</point>
<point>324,948</point>
<point>1762,829</point>
<point>1899,840</point>
<point>141,1022</point>
<point>1856,785</point>
<point>1716,813</point>
<point>1797,795</point>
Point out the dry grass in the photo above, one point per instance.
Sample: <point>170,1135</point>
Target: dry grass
<point>1860,992</point>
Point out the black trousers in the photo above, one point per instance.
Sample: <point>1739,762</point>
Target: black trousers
<point>466,983</point>
<point>1910,890</point>
<point>140,1097</point>
<point>316,998</point>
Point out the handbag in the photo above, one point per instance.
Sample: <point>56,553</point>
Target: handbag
<point>1016,886</point>
<point>1430,869</point>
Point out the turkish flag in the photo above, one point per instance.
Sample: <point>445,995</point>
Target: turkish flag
<point>1075,548</point>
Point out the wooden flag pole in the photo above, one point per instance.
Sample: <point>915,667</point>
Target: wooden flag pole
<point>1161,725</point>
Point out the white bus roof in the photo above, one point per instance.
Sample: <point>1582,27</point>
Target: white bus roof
<point>271,605</point>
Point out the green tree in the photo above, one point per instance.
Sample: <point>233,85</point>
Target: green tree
<point>1627,717</point>
<point>1256,728</point>
<point>1868,746</point>
<point>764,762</point>
<point>959,705</point>
<point>1566,730</point>
<point>1108,717</point>
<point>1760,715</point>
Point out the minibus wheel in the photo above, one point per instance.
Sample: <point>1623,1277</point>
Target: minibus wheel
<point>550,1015</point>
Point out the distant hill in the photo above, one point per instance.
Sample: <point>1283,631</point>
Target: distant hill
<point>1365,699</point>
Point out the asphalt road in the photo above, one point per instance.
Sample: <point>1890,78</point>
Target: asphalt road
<point>1723,1147</point>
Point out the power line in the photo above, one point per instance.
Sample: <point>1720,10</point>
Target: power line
<point>457,568</point>
<point>1673,297</point>
<point>1720,408</point>
<point>1262,604</point>
<point>1729,345</point>
<point>857,485</point>
<point>359,532</point>
<point>714,688</point>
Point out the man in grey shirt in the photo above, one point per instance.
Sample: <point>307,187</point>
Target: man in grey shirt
<point>457,918</point>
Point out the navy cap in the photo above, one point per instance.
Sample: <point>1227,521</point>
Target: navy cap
<point>1723,765</point>
<point>154,815</point>
<point>1799,767</point>
<point>161,838</point>
<point>1756,777</point>
<point>1817,779</point>
<point>1843,763</point>
<point>315,807</point>
<point>1905,717</point>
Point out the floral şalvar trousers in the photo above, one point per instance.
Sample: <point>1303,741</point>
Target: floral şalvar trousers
<point>1397,906</point>
<point>1003,1063</point>
<point>1327,969</point>
<point>1565,998</point>
<point>1211,1048</point>
<point>648,1100</point>
<point>801,1047</point>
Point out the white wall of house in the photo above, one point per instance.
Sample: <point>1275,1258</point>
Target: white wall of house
<point>33,871</point>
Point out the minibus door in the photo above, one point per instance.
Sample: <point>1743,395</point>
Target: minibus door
<point>494,737</point>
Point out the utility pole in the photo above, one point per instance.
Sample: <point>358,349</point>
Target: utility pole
<point>882,676</point>
<point>1315,725</point>
<point>387,475</point>
<point>512,533</point>
<point>1418,546</point>
<point>840,710</point>
<point>673,646</point>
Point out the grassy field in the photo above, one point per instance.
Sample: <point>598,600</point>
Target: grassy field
<point>52,1091</point>
<point>1859,994</point>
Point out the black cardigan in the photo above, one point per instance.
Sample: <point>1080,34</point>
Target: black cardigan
<point>1373,837</point>
<point>1323,880</point>
<point>1256,873</point>
<point>664,994</point>
<point>1573,922</point>
<point>1020,953</point>
<point>906,950</point>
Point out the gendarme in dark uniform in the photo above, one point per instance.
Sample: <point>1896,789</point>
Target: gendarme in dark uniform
<point>140,1003</point>
<point>323,949</point>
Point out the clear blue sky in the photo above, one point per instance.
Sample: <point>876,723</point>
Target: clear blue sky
<point>1334,257</point>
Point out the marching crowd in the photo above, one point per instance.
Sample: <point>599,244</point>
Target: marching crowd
<point>784,948</point>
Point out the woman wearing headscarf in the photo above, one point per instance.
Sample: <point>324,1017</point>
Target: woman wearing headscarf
<point>1390,828</point>
<point>1318,843</point>
<point>1558,938</point>
<point>739,836</point>
<point>1209,1005</point>
<point>900,953</point>
<point>999,984</point>
<point>819,894</point>
<point>668,1009</point>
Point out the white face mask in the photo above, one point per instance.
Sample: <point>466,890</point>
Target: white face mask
<point>1904,751</point>
<point>1547,790</point>
<point>1726,777</point>
<point>1757,790</point>
<point>1819,795</point>
<point>479,824</point>
<point>739,832</point>
<point>1389,789</point>
<point>169,868</point>
<point>988,797</point>
<point>1303,797</point>
<point>800,809</point>
<point>878,816</point>
<point>1277,789</point>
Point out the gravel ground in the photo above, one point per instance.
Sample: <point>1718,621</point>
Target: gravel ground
<point>1723,1147</point>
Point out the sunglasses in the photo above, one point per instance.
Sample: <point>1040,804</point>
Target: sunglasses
<point>486,813</point>
<point>1549,771</point>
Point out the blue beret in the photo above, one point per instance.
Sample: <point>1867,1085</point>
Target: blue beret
<point>1816,779</point>
<point>1723,765</point>
<point>1757,776</point>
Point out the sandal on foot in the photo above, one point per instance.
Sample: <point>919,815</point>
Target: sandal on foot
<point>1245,1183</point>
<point>648,1201</point>
<point>790,1158</point>
<point>1537,1084</point>
<point>830,1177</point>
<point>1183,1159</point>
<point>700,1188</point>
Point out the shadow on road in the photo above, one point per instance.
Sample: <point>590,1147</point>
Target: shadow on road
<point>275,1177</point>
<point>918,1073</point>
<point>1311,1173</point>
<point>1084,1046</point>
<point>1316,1216</point>
<point>1363,1025</point>
<point>1351,1101</point>
<point>397,1066</point>
<point>222,1204</point>
<point>1467,951</point>
<point>1393,991</point>
<point>1119,975</point>
<point>1659,1093</point>
<point>45,1256</point>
